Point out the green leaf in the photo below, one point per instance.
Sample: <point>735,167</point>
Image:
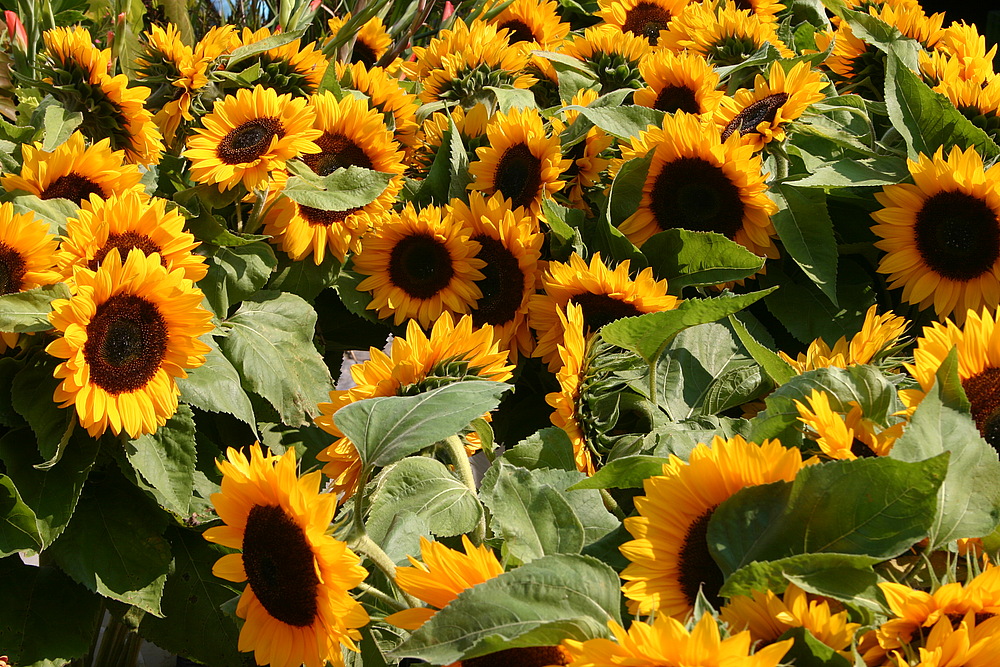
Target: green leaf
<point>628,472</point>
<point>53,211</point>
<point>28,311</point>
<point>807,651</point>
<point>599,236</point>
<point>853,575</point>
<point>538,604</point>
<point>40,595</point>
<point>425,487</point>
<point>215,386</point>
<point>386,429</point>
<point>59,125</point>
<point>886,38</point>
<point>165,460</point>
<point>856,173</point>
<point>779,370</point>
<point>806,230</point>
<point>622,122</point>
<point>626,189</point>
<point>193,623</point>
<point>695,259</point>
<point>270,344</point>
<point>266,44</point>
<point>32,392</point>
<point>548,448</point>
<point>342,190</point>
<point>18,528</point>
<point>882,507</point>
<point>564,237</point>
<point>304,277</point>
<point>114,545</point>
<point>648,335</point>
<point>234,273</point>
<point>734,387</point>
<point>928,120</point>
<point>458,164</point>
<point>512,98</point>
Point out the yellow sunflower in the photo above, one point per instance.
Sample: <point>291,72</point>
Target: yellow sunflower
<point>414,363</point>
<point>371,42</point>
<point>942,234</point>
<point>852,60</point>
<point>27,258</point>
<point>297,604</point>
<point>572,352</point>
<point>249,135</point>
<point>217,42</point>
<point>352,135</point>
<point>128,221</point>
<point>667,643</point>
<point>519,160</point>
<point>127,333</point>
<point>420,264</point>
<point>765,10</point>
<point>699,182</point>
<point>977,100</point>
<point>845,436</point>
<point>670,560</point>
<point>292,68</point>
<point>978,343</point>
<point>960,54</point>
<point>73,171</point>
<point>878,333</point>
<point>767,616</point>
<point>605,294</point>
<point>968,643</point>
<point>532,22</point>
<point>171,64</point>
<point>642,18</point>
<point>385,94</point>
<point>724,35</point>
<point>471,126</point>
<point>679,82</point>
<point>119,113</point>
<point>611,55</point>
<point>759,116</point>
<point>586,161</point>
<point>72,57</point>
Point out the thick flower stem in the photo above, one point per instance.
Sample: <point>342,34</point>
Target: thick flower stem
<point>368,589</point>
<point>365,546</point>
<point>456,450</point>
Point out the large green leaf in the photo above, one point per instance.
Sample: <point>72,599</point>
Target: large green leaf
<point>29,311</point>
<point>53,211</point>
<point>807,651</point>
<point>548,448</point>
<point>32,392</point>
<point>779,370</point>
<point>215,386</point>
<point>538,604</point>
<point>304,277</point>
<point>628,472</point>
<point>236,272</point>
<point>695,259</point>
<point>59,125</point>
<point>166,461</point>
<point>626,189</point>
<point>387,428</point>
<point>804,227</point>
<point>270,344</point>
<point>259,47</point>
<point>854,173</point>
<point>853,575</point>
<point>342,190</point>
<point>622,122</point>
<point>18,528</point>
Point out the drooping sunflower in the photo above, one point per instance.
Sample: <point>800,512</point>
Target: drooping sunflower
<point>941,235</point>
<point>723,34</point>
<point>977,100</point>
<point>127,221</point>
<point>845,435</point>
<point>572,354</point>
<point>642,18</point>
<point>699,182</point>
<point>415,363</point>
<point>385,94</point>
<point>670,560</point>
<point>611,55</point>
<point>217,42</point>
<point>127,333</point>
<point>372,40</point>
<point>878,333</point>
<point>978,343</point>
<point>667,643</point>
<point>352,134</point>
<point>960,54</point>
<point>588,157</point>
<point>294,68</point>
<point>248,135</point>
<point>70,57</point>
<point>759,116</point>
<point>471,126</point>
<point>510,245</point>
<point>420,264</point>
<point>678,82</point>
<point>605,294</point>
<point>297,603</point>
<point>519,161</point>
<point>73,171</point>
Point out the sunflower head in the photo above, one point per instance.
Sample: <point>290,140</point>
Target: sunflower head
<point>642,18</point>
<point>294,69</point>
<point>845,435</point>
<point>611,55</point>
<point>532,22</point>
<point>27,252</point>
<point>724,33</point>
<point>385,94</point>
<point>678,82</point>
<point>371,42</point>
<point>71,59</point>
<point>878,335</point>
<point>571,374</point>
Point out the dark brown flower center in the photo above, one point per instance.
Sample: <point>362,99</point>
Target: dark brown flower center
<point>646,20</point>
<point>697,569</point>
<point>124,243</point>
<point>363,53</point>
<point>677,98</point>
<point>420,265</point>
<point>502,285</point>
<point>531,656</point>
<point>761,111</point>
<point>12,269</point>
<point>983,391</point>
<point>280,566</point>
<point>319,218</point>
<point>861,450</point>
<point>73,187</point>
<point>250,140</point>
<point>690,193</point>
<point>126,343</point>
<point>336,151</point>
<point>600,309</point>
<point>518,175</point>
<point>958,235</point>
<point>519,31</point>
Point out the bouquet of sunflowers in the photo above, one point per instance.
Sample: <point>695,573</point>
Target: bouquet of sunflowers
<point>499,332</point>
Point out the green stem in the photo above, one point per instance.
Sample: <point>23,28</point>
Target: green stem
<point>368,589</point>
<point>365,546</point>
<point>456,451</point>
<point>612,505</point>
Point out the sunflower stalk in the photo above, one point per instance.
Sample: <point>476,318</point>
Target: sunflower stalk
<point>367,547</point>
<point>368,589</point>
<point>456,450</point>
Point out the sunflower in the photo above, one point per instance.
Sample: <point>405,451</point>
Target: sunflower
<point>969,643</point>
<point>960,54</point>
<point>471,126</point>
<point>852,61</point>
<point>292,68</point>
<point>977,100</point>
<point>586,161</point>
<point>759,115</point>
<point>942,234</point>
<point>217,42</point>
<point>73,171</point>
<point>519,161</point>
<point>352,135</point>
<point>415,363</point>
<point>767,616</point>
<point>978,343</point>
<point>699,182</point>
<point>878,333</point>
<point>670,557</point>
<point>116,111</point>
<point>845,436</point>
<point>642,18</point>
<point>384,94</point>
<point>171,64</point>
<point>27,258</point>
<point>296,604</point>
<point>127,221</point>
<point>249,135</point>
<point>605,295</point>
<point>724,35</point>
<point>611,55</point>
<point>572,354</point>
<point>71,58</point>
<point>535,23</point>
<point>128,332</point>
<point>510,245</point>
<point>765,10</point>
<point>678,82</point>
<point>420,264</point>
<point>665,642</point>
<point>372,40</point>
